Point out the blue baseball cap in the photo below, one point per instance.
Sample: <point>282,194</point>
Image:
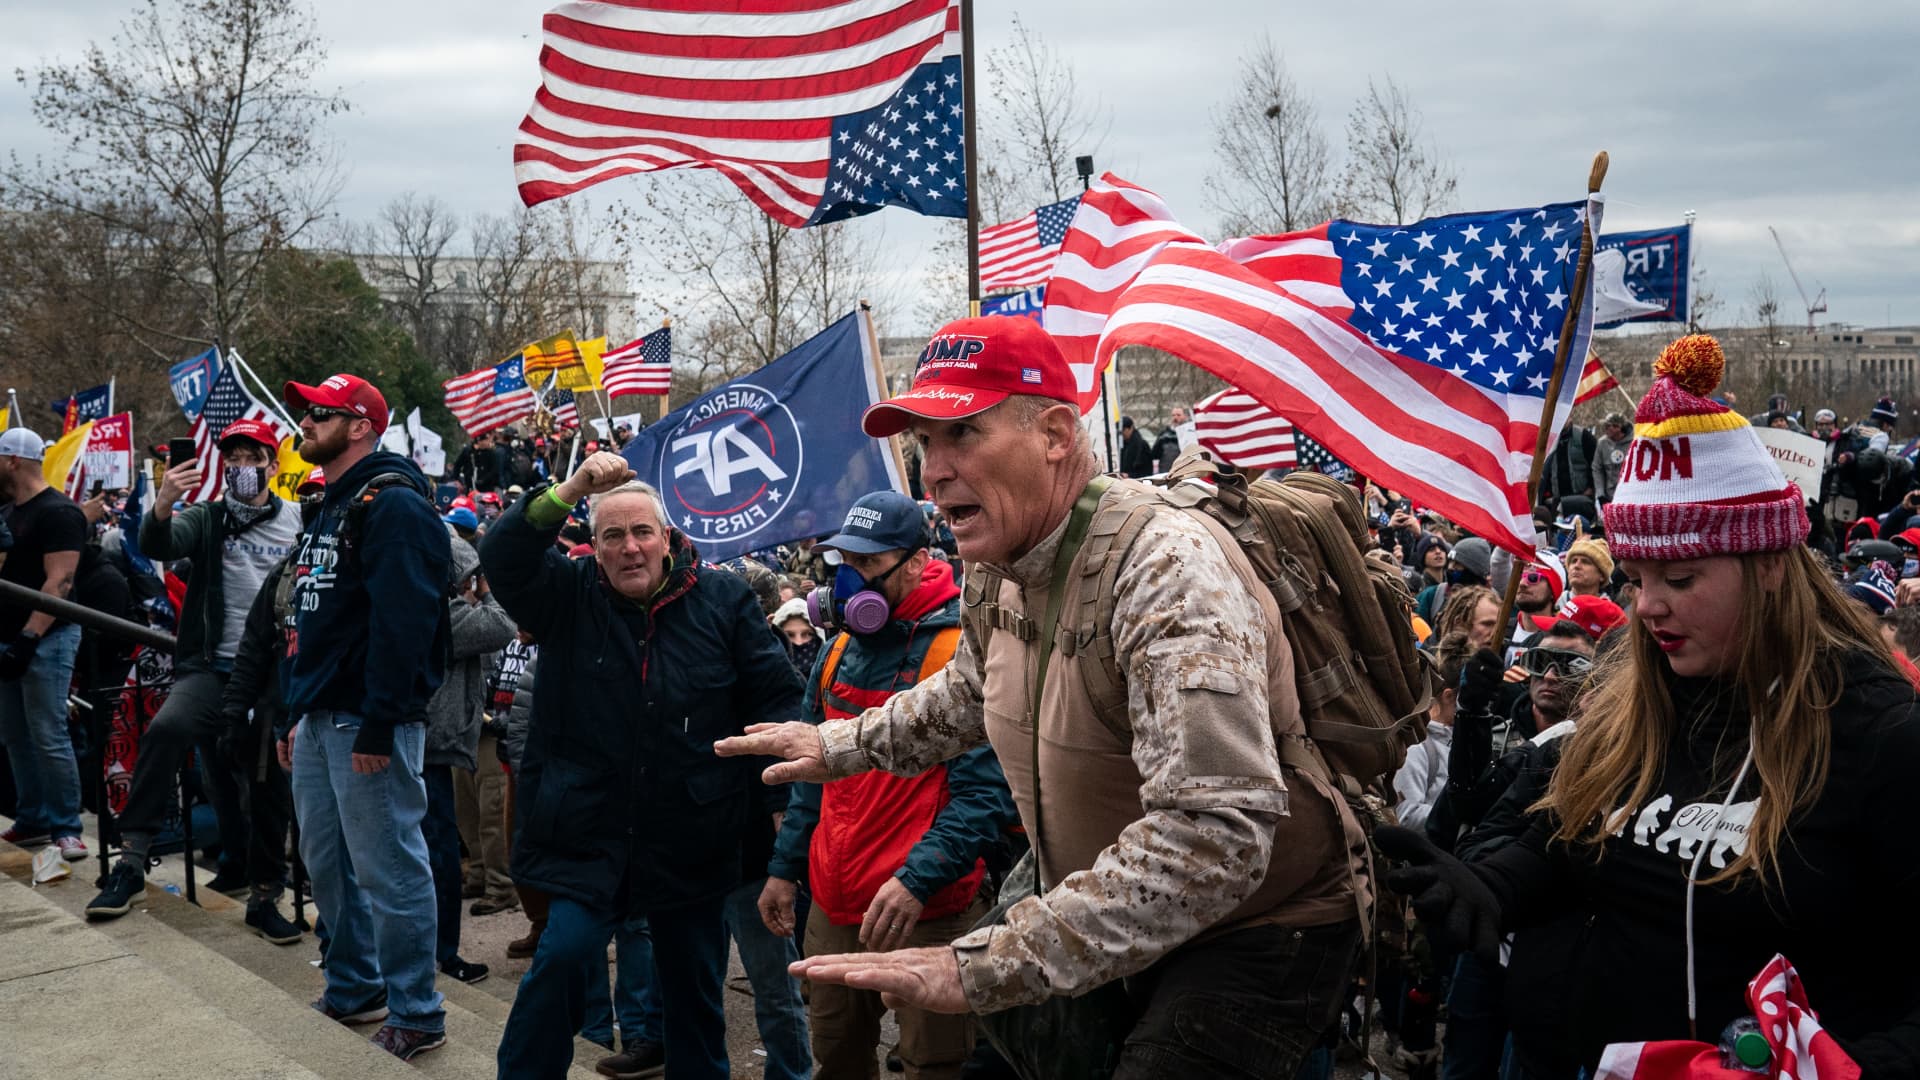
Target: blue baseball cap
<point>462,518</point>
<point>881,521</point>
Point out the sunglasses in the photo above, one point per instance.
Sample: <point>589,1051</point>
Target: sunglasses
<point>1560,663</point>
<point>320,414</point>
<point>1534,577</point>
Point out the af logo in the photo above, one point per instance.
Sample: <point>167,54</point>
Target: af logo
<point>731,464</point>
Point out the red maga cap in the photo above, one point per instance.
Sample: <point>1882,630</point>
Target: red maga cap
<point>349,392</point>
<point>254,430</point>
<point>970,366</point>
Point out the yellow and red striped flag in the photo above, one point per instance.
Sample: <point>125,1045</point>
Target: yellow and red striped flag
<point>1595,380</point>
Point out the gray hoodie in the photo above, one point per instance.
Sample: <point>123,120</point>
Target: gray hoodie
<point>478,631</point>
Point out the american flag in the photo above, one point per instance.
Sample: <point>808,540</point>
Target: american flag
<point>1020,253</point>
<point>566,413</point>
<point>1419,354</point>
<point>490,398</point>
<point>1240,431</point>
<point>227,401</point>
<point>1595,380</point>
<point>817,111</point>
<point>641,366</point>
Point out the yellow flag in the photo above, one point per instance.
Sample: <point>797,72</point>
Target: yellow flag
<point>6,414</point>
<point>549,354</point>
<point>292,471</point>
<point>584,375</point>
<point>63,455</point>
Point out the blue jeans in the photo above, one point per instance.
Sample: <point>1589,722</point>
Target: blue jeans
<point>33,724</point>
<point>690,961</point>
<point>777,1008</point>
<point>441,830</point>
<point>1476,1021</point>
<point>635,1001</point>
<point>367,859</point>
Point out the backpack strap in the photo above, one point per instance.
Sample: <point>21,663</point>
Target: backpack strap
<point>1090,634</point>
<point>945,643</point>
<point>980,607</point>
<point>832,663</point>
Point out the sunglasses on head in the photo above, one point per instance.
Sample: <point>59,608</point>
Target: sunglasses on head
<point>320,414</point>
<point>1560,663</point>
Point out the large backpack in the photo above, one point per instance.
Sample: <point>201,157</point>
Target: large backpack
<point>1364,687</point>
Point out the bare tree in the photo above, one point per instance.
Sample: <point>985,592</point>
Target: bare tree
<point>1393,174</point>
<point>1275,169</point>
<point>206,108</point>
<point>403,253</point>
<point>1040,117</point>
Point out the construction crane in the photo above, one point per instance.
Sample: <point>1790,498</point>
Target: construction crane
<point>1814,306</point>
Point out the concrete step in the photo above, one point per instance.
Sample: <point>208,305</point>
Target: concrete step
<point>213,944</point>
<point>59,978</point>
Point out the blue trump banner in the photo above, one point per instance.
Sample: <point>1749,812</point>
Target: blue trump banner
<point>776,455</point>
<point>1641,276</point>
<point>94,404</point>
<point>192,379</point>
<point>1026,303</point>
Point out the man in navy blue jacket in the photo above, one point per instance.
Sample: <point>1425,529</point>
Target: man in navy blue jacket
<point>366,647</point>
<point>621,807</point>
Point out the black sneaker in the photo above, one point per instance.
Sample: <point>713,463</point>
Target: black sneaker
<point>407,1044</point>
<point>372,1012</point>
<point>124,882</point>
<point>466,972</point>
<point>639,1060</point>
<point>264,918</point>
<point>229,883</point>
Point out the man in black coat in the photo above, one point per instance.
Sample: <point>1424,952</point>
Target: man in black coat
<point>647,657</point>
<point>1136,457</point>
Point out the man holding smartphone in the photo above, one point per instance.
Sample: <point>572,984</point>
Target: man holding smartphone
<point>232,543</point>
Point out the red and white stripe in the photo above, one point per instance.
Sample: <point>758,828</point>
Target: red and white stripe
<point>624,372</point>
<point>206,452</point>
<point>1012,257</point>
<point>1240,431</point>
<point>1263,315</point>
<point>1595,380</point>
<point>471,400</point>
<point>750,88</point>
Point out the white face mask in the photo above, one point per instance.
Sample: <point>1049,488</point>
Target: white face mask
<point>246,481</point>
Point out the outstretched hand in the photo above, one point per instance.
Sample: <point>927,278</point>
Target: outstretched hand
<point>909,978</point>
<point>1453,903</point>
<point>796,743</point>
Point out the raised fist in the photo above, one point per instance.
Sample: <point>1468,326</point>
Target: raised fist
<point>602,471</point>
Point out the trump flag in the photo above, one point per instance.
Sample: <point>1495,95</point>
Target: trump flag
<point>776,455</point>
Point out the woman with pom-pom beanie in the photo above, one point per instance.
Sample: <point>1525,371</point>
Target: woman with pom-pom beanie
<point>1738,784</point>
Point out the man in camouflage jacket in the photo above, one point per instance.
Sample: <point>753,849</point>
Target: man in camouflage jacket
<point>1180,853</point>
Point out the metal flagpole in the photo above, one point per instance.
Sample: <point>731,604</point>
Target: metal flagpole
<point>880,380</point>
<point>1595,177</point>
<point>111,380</point>
<point>272,400</point>
<point>666,399</point>
<point>972,154</point>
<point>13,410</point>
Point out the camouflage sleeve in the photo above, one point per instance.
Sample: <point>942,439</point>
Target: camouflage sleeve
<point>1193,644</point>
<point>919,727</point>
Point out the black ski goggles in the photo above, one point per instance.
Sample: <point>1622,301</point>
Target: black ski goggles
<point>1560,663</point>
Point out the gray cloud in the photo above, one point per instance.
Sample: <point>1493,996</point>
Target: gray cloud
<point>1752,113</point>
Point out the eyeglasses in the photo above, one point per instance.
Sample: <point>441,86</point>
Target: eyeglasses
<point>320,414</point>
<point>1534,577</point>
<point>1560,663</point>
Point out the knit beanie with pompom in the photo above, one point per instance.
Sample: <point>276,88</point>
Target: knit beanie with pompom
<point>1697,480</point>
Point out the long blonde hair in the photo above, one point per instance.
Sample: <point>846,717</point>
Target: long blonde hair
<point>1796,634</point>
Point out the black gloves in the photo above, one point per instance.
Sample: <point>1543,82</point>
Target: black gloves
<point>236,744</point>
<point>16,655</point>
<point>1453,903</point>
<point>1480,681</point>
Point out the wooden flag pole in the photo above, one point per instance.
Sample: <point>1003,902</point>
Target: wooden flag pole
<point>1595,177</point>
<point>666,399</point>
<point>880,381</point>
<point>972,157</point>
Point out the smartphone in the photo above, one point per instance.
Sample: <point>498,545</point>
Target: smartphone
<point>95,492</point>
<point>180,451</point>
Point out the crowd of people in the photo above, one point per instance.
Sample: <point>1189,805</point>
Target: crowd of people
<point>907,778</point>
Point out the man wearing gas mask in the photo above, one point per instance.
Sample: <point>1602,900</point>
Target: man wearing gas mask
<point>890,861</point>
<point>233,543</point>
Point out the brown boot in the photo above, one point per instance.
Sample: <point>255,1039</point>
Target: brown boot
<point>522,948</point>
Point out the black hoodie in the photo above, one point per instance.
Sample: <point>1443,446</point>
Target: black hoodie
<point>1600,954</point>
<point>370,616</point>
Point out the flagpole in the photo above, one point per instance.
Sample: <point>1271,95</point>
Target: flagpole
<point>972,160</point>
<point>111,380</point>
<point>272,399</point>
<point>1568,326</point>
<point>13,410</point>
<point>666,399</point>
<point>880,380</point>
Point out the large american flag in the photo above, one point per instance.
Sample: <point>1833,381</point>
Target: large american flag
<point>641,366</point>
<point>490,398</point>
<point>817,110</point>
<point>1016,254</point>
<point>1419,354</point>
<point>227,401</point>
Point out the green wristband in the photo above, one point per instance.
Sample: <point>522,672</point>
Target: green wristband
<point>553,493</point>
<point>548,509</point>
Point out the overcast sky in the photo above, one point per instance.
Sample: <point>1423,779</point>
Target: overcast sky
<point>1751,112</point>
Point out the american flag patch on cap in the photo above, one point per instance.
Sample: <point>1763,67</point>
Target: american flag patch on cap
<point>1030,375</point>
